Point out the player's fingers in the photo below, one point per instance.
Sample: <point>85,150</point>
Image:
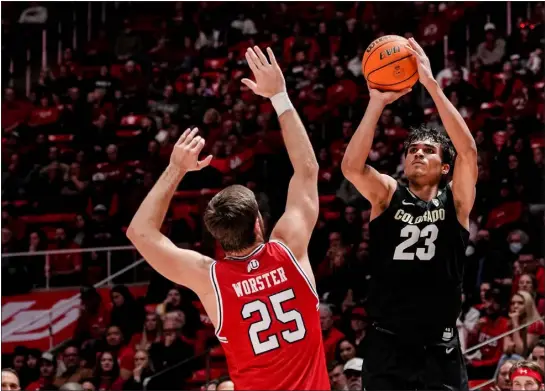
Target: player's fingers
<point>271,56</point>
<point>416,46</point>
<point>256,60</point>
<point>199,146</point>
<point>251,62</point>
<point>261,56</point>
<point>191,137</point>
<point>249,83</point>
<point>412,51</point>
<point>205,162</point>
<point>195,142</point>
<point>183,136</point>
<point>404,92</point>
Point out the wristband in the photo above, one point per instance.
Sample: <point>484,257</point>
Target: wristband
<point>281,103</point>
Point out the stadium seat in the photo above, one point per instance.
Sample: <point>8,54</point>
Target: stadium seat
<point>215,63</point>
<point>55,218</point>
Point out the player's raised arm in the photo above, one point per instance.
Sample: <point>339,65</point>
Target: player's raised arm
<point>295,226</point>
<point>185,267</point>
<point>465,167</point>
<point>375,187</point>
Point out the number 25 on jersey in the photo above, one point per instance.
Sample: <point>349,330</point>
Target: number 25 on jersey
<point>260,345</point>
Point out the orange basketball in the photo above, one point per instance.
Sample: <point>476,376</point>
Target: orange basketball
<point>388,66</point>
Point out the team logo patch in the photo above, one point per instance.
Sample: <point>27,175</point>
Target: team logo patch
<point>435,202</point>
<point>448,334</point>
<point>253,265</point>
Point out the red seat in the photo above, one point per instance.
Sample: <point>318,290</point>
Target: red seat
<point>131,120</point>
<point>16,203</point>
<point>214,63</point>
<point>127,133</point>
<point>217,352</point>
<point>49,218</point>
<point>327,199</point>
<point>329,215</point>
<point>211,75</point>
<point>60,138</point>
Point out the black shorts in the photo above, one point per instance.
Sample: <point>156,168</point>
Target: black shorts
<point>393,362</point>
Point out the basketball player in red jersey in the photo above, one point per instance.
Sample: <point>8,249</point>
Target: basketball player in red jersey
<point>261,297</point>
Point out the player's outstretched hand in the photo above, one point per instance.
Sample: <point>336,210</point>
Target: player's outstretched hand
<point>269,79</point>
<point>386,97</point>
<point>185,154</point>
<point>422,61</point>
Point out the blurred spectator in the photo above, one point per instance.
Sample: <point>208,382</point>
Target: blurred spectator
<point>152,332</point>
<point>32,369</point>
<point>352,371</point>
<point>126,312</point>
<point>34,14</point>
<point>143,368</point>
<point>128,44</point>
<point>19,364</point>
<point>73,372</point>
<point>170,351</point>
<point>47,368</point>
<point>492,51</point>
<point>106,374</point>
<point>10,380</point>
<point>522,311</point>
<point>345,351</point>
<point>502,380</point>
<point>331,335</point>
<point>123,353</point>
<point>178,300</point>
<point>527,375</point>
<point>538,353</point>
<point>94,316</point>
<point>483,363</point>
<point>64,269</point>
<point>337,379</point>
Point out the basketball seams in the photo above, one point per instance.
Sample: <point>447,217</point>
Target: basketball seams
<point>385,65</point>
<point>386,85</point>
<point>372,51</point>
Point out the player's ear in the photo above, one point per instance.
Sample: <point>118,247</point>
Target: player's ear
<point>445,168</point>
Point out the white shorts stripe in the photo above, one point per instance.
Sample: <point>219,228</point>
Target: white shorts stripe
<point>219,302</point>
<point>298,266</point>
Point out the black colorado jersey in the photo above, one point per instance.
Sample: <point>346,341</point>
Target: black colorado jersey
<point>417,252</point>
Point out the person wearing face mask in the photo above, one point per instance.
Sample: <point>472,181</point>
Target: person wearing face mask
<point>482,364</point>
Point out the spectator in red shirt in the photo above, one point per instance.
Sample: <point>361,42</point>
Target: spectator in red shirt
<point>523,310</point>
<point>124,354</point>
<point>94,317</point>
<point>48,367</point>
<point>64,269</point>
<point>489,326</point>
<point>331,336</point>
<point>106,375</point>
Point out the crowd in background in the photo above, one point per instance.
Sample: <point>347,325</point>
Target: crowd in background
<point>89,141</point>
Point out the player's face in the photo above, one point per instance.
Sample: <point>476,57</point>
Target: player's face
<point>538,355</point>
<point>526,383</point>
<point>423,163</point>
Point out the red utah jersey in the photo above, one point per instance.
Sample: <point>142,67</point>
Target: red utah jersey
<point>268,321</point>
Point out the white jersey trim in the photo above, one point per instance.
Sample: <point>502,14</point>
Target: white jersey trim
<point>298,267</point>
<point>219,302</point>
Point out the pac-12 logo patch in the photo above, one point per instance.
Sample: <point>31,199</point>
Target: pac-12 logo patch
<point>253,265</point>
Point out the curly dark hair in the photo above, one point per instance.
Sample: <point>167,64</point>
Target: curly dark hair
<point>437,136</point>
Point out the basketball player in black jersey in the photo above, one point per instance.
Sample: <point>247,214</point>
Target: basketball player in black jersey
<point>418,236</point>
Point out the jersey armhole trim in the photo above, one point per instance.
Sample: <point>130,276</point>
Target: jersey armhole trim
<point>300,269</point>
<point>219,302</point>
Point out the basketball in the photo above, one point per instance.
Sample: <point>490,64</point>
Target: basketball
<point>388,66</point>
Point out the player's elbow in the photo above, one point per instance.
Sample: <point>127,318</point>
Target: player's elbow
<point>308,169</point>
<point>134,235</point>
<point>469,153</point>
<point>349,169</point>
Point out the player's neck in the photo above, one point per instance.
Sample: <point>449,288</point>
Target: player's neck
<point>424,192</point>
<point>244,252</point>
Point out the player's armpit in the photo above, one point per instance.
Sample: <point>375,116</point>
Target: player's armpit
<point>295,226</point>
<point>184,267</point>
<point>463,184</point>
<point>377,188</point>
